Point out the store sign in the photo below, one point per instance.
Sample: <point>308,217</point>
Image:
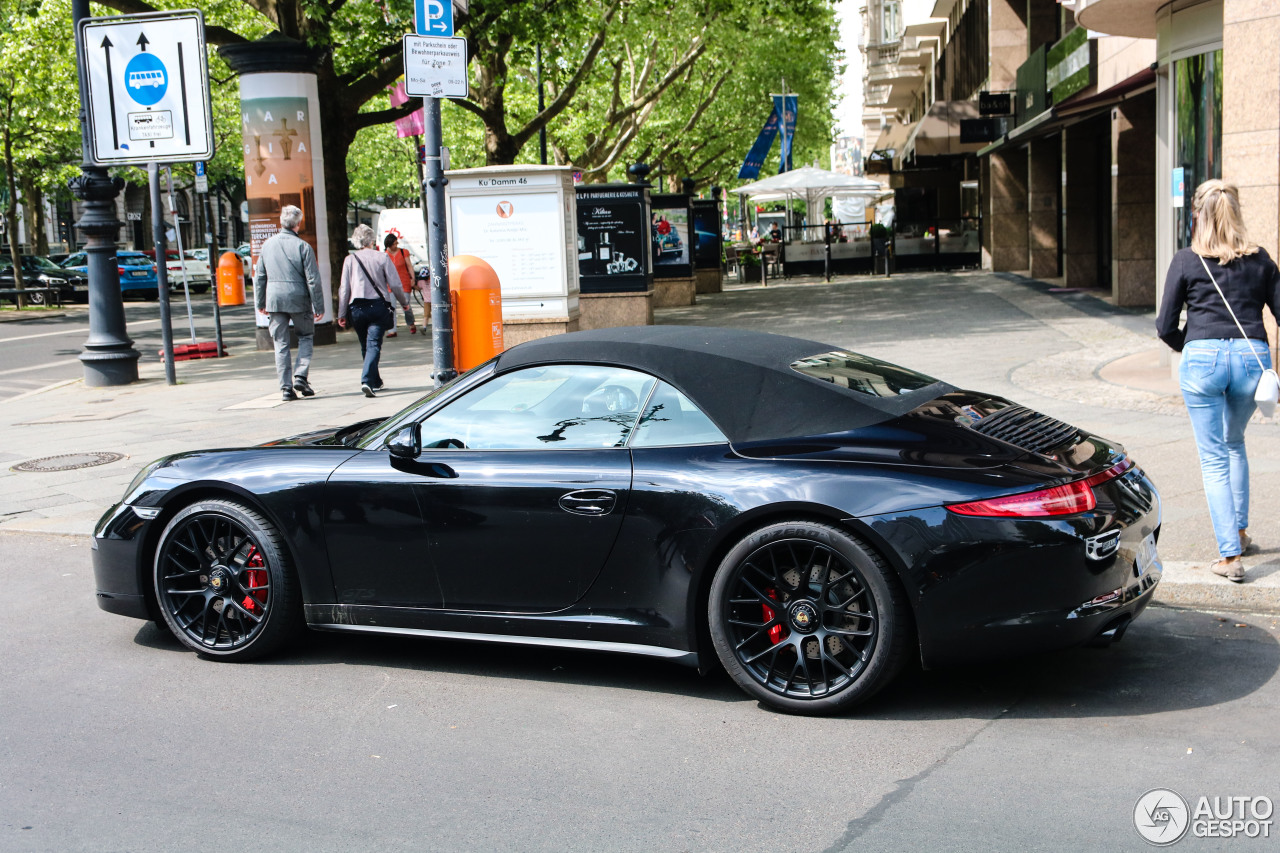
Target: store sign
<point>982,129</point>
<point>1071,64</point>
<point>994,103</point>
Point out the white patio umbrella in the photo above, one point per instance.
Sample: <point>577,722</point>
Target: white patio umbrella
<point>811,185</point>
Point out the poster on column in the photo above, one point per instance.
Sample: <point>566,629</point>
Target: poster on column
<point>279,171</point>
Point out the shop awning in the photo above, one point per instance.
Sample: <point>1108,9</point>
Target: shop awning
<point>893,140</point>
<point>938,133</point>
<point>1075,110</point>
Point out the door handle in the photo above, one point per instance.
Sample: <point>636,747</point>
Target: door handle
<point>589,502</point>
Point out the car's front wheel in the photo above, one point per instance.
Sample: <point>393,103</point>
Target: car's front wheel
<point>223,582</point>
<point>807,618</point>
<point>35,298</point>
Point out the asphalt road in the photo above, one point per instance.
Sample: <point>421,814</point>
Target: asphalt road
<point>113,738</point>
<point>42,351</point>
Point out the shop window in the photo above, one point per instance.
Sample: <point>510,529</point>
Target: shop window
<point>1197,82</point>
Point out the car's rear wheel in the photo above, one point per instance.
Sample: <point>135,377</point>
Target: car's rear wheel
<point>223,582</point>
<point>807,618</point>
<point>35,298</point>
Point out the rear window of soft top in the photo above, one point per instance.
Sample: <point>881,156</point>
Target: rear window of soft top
<point>862,373</point>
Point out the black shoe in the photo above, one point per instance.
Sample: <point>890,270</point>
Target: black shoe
<point>379,386</point>
<point>287,394</point>
<point>303,387</point>
<point>368,392</point>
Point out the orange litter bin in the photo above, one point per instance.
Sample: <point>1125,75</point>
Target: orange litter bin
<point>230,279</point>
<point>476,297</point>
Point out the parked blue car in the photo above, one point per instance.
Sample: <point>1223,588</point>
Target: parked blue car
<point>137,272</point>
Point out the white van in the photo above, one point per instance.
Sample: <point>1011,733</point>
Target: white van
<point>410,229</point>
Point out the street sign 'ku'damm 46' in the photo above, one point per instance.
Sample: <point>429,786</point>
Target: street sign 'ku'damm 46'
<point>147,83</point>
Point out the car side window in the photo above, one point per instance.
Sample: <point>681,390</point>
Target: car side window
<point>562,407</point>
<point>671,418</point>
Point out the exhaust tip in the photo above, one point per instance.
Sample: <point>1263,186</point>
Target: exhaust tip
<point>1111,632</point>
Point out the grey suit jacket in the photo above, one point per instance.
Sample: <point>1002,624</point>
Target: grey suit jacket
<point>286,271</point>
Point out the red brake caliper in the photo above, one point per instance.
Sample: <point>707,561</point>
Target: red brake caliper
<point>255,577</point>
<point>777,632</point>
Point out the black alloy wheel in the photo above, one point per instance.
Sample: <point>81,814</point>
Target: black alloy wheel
<point>807,619</point>
<point>223,584</point>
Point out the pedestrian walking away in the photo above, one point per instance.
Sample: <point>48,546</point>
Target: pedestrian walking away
<point>287,289</point>
<point>1223,280</point>
<point>369,283</point>
<point>403,263</point>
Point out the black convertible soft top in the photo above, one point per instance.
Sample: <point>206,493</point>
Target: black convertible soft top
<point>742,380</point>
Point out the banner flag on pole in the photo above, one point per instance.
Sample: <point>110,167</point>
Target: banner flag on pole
<point>786,105</point>
<point>414,124</point>
<point>755,157</point>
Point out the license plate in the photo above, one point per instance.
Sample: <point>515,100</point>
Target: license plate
<point>139,273</point>
<point>1147,558</point>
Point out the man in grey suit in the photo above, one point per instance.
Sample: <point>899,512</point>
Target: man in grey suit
<point>287,287</point>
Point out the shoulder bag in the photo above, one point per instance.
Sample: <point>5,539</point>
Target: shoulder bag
<point>1268,390</point>
<point>386,303</point>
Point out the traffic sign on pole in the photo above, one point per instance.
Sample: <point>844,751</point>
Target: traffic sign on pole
<point>433,17</point>
<point>202,177</point>
<point>147,83</point>
<point>435,67</point>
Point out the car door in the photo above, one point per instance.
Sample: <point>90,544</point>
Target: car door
<point>529,482</point>
<point>517,495</point>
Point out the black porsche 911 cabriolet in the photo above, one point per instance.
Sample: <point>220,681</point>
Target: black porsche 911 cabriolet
<point>806,515</point>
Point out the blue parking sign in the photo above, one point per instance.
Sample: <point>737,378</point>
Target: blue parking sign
<point>433,17</point>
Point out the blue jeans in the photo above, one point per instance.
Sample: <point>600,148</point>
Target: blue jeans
<point>1218,378</point>
<point>372,318</point>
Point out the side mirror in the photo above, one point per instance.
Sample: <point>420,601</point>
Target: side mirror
<point>406,443</point>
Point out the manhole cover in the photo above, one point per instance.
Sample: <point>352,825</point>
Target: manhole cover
<point>68,462</point>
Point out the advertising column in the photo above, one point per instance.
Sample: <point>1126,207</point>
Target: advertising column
<point>283,157</point>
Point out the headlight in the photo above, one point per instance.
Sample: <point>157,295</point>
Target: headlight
<point>142,475</point>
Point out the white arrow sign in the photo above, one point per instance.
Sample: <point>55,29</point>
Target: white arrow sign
<point>148,88</point>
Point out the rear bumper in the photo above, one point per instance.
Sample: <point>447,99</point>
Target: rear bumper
<point>986,588</point>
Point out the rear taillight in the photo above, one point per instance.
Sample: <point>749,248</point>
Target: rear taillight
<point>1067,499</point>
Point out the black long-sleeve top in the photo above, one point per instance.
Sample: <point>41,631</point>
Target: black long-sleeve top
<point>1249,282</point>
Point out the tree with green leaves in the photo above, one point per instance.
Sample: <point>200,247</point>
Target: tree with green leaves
<point>38,134</point>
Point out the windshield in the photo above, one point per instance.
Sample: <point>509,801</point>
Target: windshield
<point>134,261</point>
<point>375,438</point>
<point>31,263</point>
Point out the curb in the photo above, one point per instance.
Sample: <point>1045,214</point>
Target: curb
<point>1192,585</point>
<point>21,317</point>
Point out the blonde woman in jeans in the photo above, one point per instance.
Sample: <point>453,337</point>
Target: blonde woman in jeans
<point>1219,370</point>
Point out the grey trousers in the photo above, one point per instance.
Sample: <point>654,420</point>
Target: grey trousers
<point>305,325</point>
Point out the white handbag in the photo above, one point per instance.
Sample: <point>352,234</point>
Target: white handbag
<point>1268,391</point>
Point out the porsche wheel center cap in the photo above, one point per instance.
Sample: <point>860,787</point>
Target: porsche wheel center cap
<point>219,579</point>
<point>804,617</point>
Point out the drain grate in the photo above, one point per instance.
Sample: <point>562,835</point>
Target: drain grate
<point>68,462</point>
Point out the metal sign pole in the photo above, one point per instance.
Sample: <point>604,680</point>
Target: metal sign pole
<point>211,242</point>
<point>162,274</point>
<point>437,246</point>
<point>182,263</point>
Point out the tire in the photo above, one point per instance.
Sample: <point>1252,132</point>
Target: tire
<point>36,299</point>
<point>807,619</point>
<point>223,582</point>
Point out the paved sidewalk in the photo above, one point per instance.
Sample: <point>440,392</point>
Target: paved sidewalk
<point>1070,355</point>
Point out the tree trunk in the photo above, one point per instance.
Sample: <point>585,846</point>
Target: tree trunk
<point>33,203</point>
<point>11,220</point>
